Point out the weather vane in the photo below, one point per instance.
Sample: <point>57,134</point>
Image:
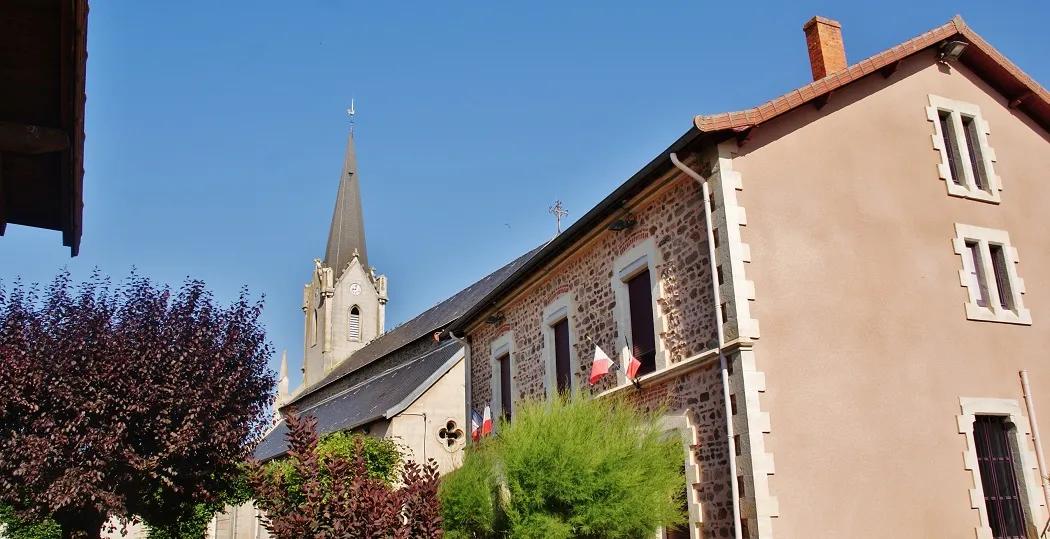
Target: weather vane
<point>558,212</point>
<point>350,111</point>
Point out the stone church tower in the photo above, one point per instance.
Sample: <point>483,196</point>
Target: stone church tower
<point>345,301</point>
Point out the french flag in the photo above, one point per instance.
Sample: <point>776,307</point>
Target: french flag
<point>486,423</point>
<point>633,366</point>
<point>600,365</point>
<point>475,424</point>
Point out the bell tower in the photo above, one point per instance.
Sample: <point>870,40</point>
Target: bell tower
<point>345,301</point>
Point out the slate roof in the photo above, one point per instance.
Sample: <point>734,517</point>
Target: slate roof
<point>379,397</point>
<point>347,233</point>
<point>434,319</point>
<point>391,370</point>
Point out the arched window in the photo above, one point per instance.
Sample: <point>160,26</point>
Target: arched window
<point>313,340</point>
<point>355,324</point>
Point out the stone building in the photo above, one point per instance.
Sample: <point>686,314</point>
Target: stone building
<point>892,247</point>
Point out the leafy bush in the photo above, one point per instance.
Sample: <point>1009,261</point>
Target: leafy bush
<point>13,527</point>
<point>568,468</point>
<point>344,498</point>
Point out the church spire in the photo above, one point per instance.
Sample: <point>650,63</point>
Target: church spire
<point>347,234</point>
<point>282,382</point>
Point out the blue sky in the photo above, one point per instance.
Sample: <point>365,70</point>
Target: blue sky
<point>215,130</point>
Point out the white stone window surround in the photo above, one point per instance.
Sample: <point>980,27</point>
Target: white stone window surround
<point>503,345</point>
<point>635,260</point>
<point>680,425</point>
<point>562,308</point>
<point>1028,474</point>
<point>993,312</point>
<point>969,188</point>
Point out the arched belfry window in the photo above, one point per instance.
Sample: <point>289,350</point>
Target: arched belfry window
<point>354,333</point>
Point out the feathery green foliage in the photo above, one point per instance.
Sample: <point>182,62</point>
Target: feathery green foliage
<point>568,468</point>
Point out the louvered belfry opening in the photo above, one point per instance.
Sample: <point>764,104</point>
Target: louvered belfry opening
<point>1002,492</point>
<point>562,370</point>
<point>504,386</point>
<point>643,333</point>
<point>355,324</point>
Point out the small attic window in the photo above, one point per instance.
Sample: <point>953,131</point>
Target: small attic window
<point>354,331</point>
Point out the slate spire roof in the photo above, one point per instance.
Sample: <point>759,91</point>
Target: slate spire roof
<point>347,233</point>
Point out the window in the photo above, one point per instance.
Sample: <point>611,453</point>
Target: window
<point>505,402</point>
<point>558,339</point>
<point>966,159</point>
<point>1002,494</point>
<point>354,331</point>
<point>562,370</point>
<point>502,385</point>
<point>1005,478</point>
<point>639,317</point>
<point>990,276</point>
<point>313,327</point>
<point>639,290</point>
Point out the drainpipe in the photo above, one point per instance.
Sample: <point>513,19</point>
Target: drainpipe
<point>737,532</point>
<point>1030,403</point>
<point>466,384</point>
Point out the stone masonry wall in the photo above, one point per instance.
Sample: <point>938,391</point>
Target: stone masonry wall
<point>674,218</point>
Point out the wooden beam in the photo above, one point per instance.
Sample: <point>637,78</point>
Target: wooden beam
<point>31,139</point>
<point>3,199</point>
<point>822,100</point>
<point>890,69</point>
<point>1019,99</point>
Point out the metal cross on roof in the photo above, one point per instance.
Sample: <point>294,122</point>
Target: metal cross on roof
<point>558,212</point>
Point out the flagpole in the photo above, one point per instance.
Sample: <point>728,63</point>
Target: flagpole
<point>635,379</point>
<point>615,365</point>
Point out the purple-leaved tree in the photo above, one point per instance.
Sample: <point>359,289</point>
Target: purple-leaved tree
<point>126,400</point>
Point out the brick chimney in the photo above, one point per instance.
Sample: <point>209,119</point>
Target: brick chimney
<point>827,55</point>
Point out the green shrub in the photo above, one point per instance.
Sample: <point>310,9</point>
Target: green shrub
<point>13,527</point>
<point>568,468</point>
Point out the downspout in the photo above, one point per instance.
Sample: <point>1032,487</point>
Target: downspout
<point>1030,403</point>
<point>468,417</point>
<point>735,488</point>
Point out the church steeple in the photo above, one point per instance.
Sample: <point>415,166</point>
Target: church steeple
<point>347,233</point>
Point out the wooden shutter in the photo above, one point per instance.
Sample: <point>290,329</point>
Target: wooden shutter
<point>973,144</point>
<point>643,333</point>
<point>974,249</point>
<point>951,145</point>
<point>504,385</point>
<point>562,370</point>
<point>1002,494</point>
<point>1002,277</point>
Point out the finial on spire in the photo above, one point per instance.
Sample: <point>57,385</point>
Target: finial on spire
<point>350,111</point>
<point>558,212</point>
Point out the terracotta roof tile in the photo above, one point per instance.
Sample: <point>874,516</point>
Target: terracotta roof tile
<point>983,58</point>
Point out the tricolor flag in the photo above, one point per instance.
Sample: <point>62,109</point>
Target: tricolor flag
<point>600,366</point>
<point>486,423</point>
<point>475,424</point>
<point>633,366</point>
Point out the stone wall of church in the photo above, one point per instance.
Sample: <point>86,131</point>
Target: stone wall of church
<point>673,216</point>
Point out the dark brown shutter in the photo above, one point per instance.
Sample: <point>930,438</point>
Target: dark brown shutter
<point>682,531</point>
<point>504,385</point>
<point>951,145</point>
<point>973,144</point>
<point>643,333</point>
<point>1002,494</point>
<point>562,372</point>
<point>982,286</point>
<point>1002,277</point>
